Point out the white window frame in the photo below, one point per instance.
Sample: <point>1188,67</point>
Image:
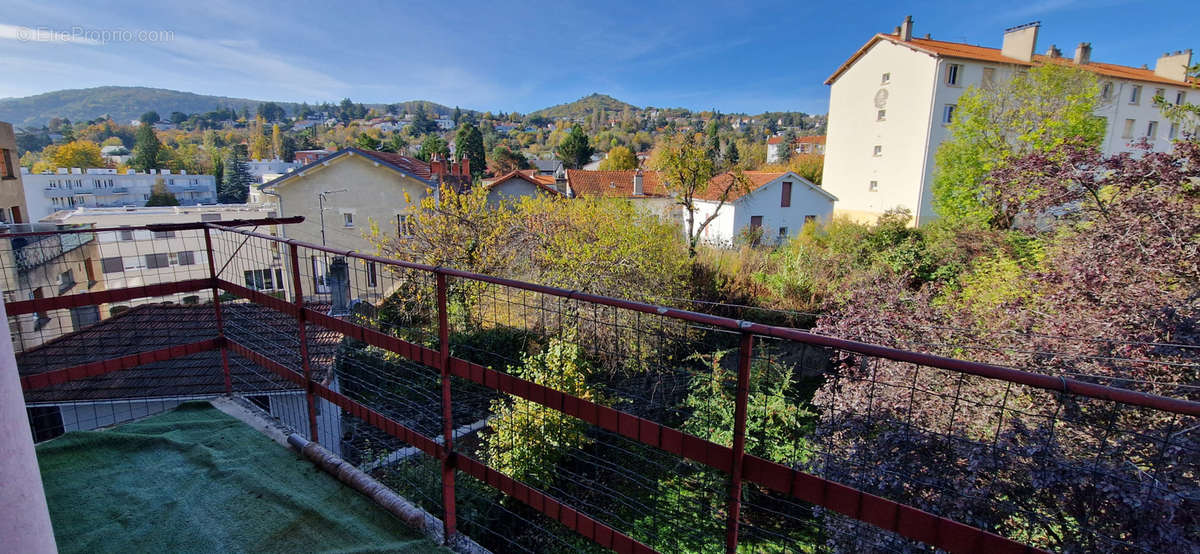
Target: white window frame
<point>953,74</point>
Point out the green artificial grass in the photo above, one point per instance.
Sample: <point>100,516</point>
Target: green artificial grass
<point>197,480</point>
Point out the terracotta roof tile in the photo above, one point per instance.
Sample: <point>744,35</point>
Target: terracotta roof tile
<point>544,182</point>
<point>614,184</point>
<point>757,179</point>
<point>986,54</point>
<point>154,326</point>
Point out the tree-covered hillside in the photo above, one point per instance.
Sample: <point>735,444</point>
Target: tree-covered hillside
<point>585,106</point>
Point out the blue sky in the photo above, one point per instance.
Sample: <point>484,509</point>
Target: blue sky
<point>748,56</point>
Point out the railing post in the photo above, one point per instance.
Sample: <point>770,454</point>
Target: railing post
<point>745,353</point>
<point>448,502</point>
<point>309,397</point>
<point>216,298</point>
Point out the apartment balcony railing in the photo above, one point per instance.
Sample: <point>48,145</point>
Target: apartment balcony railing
<point>528,417</point>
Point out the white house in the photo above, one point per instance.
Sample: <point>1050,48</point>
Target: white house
<point>814,144</point>
<point>779,204</point>
<point>890,104</point>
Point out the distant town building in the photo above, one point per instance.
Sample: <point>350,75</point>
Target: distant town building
<point>45,266</point>
<point>65,189</point>
<point>445,123</point>
<point>891,102</point>
<point>305,157</point>
<point>258,168</point>
<point>515,185</point>
<point>802,145</point>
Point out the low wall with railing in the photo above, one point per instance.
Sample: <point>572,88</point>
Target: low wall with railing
<point>534,418</point>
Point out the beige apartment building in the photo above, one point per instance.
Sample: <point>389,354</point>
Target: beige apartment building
<point>344,194</point>
<point>136,257</point>
<point>891,102</point>
<point>45,266</point>
<point>12,191</point>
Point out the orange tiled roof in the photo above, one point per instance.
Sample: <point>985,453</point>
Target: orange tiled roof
<point>544,182</point>
<point>985,54</point>
<point>757,179</point>
<point>613,184</point>
<point>813,139</point>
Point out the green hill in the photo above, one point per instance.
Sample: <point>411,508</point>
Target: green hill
<point>585,106</point>
<point>123,104</point>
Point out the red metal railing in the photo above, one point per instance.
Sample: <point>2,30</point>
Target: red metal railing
<point>784,480</point>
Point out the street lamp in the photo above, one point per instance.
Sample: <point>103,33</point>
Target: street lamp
<point>321,203</point>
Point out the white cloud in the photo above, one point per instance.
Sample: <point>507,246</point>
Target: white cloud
<point>21,33</point>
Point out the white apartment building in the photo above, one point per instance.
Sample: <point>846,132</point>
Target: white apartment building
<point>134,258</point>
<point>259,168</point>
<point>890,105</point>
<point>66,189</point>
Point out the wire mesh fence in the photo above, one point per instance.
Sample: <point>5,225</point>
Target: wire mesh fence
<point>535,419</point>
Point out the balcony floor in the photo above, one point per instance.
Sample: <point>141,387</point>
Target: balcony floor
<point>197,480</point>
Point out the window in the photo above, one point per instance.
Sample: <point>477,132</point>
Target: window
<point>783,232</point>
<point>112,265</point>
<point>785,199</point>
<point>126,234</point>
<point>1152,130</point>
<point>881,115</point>
<point>1128,132</point>
<point>1173,132</point>
<point>210,217</point>
<point>348,219</point>
<point>887,78</point>
<point>66,281</point>
<point>873,186</point>
<point>405,225</point>
<point>948,114</point>
<point>1106,91</point>
<point>1160,93</point>
<point>263,279</point>
<point>164,234</point>
<point>810,220</point>
<point>7,170</point>
<point>1135,94</point>
<point>989,77</point>
<point>953,72</point>
<point>186,257</point>
<point>1180,97</point>
<point>157,261</point>
<point>878,151</point>
<point>372,275</point>
<point>755,221</point>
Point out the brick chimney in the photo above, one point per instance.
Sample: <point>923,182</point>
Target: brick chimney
<point>1020,41</point>
<point>436,166</point>
<point>906,29</point>
<point>464,167</point>
<point>638,188</point>
<point>1174,66</point>
<point>1053,52</point>
<point>1083,53</point>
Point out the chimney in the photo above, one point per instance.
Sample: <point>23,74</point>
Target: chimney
<point>1053,52</point>
<point>465,167</point>
<point>1174,66</point>
<point>1083,53</point>
<point>906,29</point>
<point>638,188</point>
<point>1020,41</point>
<point>435,166</point>
<point>339,287</point>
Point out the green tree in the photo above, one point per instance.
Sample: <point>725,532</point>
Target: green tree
<point>689,173</point>
<point>469,144</point>
<point>503,160</point>
<point>1039,111</point>
<point>150,118</point>
<point>277,141</point>
<point>218,169</point>
<point>619,158</point>
<point>160,196</point>
<point>732,156</point>
<point>457,115</point>
<point>432,144</point>
<point>575,150</point>
<point>236,187</point>
<point>147,150</point>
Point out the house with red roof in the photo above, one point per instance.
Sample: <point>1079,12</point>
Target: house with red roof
<point>517,184</point>
<point>814,144</point>
<point>891,102</point>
